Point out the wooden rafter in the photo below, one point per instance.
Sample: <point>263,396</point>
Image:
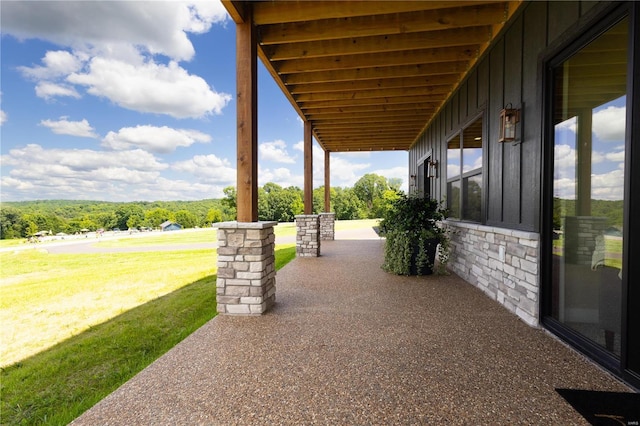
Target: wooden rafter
<point>369,75</point>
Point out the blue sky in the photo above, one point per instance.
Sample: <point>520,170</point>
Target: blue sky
<point>125,101</point>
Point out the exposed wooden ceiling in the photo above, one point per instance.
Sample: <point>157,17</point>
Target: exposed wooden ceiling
<point>370,75</point>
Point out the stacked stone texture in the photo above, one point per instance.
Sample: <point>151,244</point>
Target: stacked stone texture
<point>503,263</point>
<point>308,235</point>
<point>580,233</point>
<point>246,268</point>
<point>327,226</point>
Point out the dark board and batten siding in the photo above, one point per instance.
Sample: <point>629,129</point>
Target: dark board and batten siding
<point>510,72</point>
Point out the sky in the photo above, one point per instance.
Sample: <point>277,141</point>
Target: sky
<point>607,153</point>
<point>135,101</point>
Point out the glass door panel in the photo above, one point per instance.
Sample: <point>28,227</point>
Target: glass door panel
<point>589,119</point>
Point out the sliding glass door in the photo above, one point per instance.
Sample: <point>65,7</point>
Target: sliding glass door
<point>587,297</point>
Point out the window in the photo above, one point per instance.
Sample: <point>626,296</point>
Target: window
<point>464,173</point>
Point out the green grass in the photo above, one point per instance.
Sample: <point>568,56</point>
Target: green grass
<point>58,384</point>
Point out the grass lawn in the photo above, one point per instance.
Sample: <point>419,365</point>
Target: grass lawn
<point>90,322</point>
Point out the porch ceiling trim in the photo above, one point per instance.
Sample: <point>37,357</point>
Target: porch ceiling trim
<point>371,75</point>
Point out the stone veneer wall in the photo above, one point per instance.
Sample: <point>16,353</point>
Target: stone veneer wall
<point>503,263</point>
<point>246,283</point>
<point>308,235</point>
<point>327,226</point>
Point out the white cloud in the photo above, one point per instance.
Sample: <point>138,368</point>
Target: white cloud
<point>609,123</point>
<point>3,117</point>
<point>564,161</point>
<point>56,64</point>
<point>73,128</point>
<point>150,87</point>
<point>569,124</point>
<point>48,90</point>
<point>155,27</point>
<point>344,171</point>
<point>77,173</point>
<point>208,169</point>
<point>113,47</point>
<point>154,139</point>
<point>275,151</point>
<point>608,186</point>
<point>281,176</point>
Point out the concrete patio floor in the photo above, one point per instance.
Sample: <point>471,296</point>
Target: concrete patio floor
<point>348,343</point>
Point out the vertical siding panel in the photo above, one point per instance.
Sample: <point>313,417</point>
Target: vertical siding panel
<point>534,43</point>
<point>494,151</point>
<point>562,14</point>
<point>442,143</point>
<point>472,94</point>
<point>483,83</point>
<point>455,111</point>
<point>464,106</point>
<point>512,94</point>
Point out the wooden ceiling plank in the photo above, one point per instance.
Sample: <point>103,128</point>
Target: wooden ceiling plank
<point>380,44</point>
<point>377,93</point>
<point>271,12</point>
<point>370,109</point>
<point>409,57</point>
<point>372,25</point>
<point>392,71</point>
<point>372,101</point>
<point>380,83</point>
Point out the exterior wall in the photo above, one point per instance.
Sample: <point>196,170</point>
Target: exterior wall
<point>509,72</point>
<point>502,263</point>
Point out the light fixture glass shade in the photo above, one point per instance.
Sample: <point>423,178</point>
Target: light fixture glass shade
<point>509,117</point>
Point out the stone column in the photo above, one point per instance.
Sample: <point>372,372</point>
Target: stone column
<point>327,226</point>
<point>246,283</point>
<point>308,235</point>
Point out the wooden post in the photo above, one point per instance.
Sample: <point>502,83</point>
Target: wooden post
<point>327,182</point>
<point>308,169</point>
<point>247,110</point>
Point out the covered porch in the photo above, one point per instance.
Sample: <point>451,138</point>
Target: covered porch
<point>359,346</point>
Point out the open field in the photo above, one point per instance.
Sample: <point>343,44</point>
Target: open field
<point>77,326</point>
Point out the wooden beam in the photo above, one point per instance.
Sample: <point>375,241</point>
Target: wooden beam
<point>308,168</point>
<point>267,12</point>
<point>408,57</point>
<point>372,25</point>
<point>327,181</point>
<point>380,44</point>
<point>247,116</point>
<point>378,83</point>
<point>376,93</point>
<point>371,101</point>
<point>388,70</point>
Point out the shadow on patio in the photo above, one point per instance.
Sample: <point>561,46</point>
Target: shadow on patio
<point>348,343</point>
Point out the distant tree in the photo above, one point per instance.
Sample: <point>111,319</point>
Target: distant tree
<point>11,223</point>
<point>382,205</point>
<point>186,219</point>
<point>155,217</point>
<point>395,183</point>
<point>230,201</point>
<point>368,189</point>
<point>347,205</point>
<point>129,216</point>
<point>213,216</point>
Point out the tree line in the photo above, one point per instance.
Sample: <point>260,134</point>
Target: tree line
<point>368,198</point>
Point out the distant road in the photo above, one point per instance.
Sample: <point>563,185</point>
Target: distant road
<point>90,244</point>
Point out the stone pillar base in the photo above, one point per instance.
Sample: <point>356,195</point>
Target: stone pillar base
<point>308,235</point>
<point>327,226</point>
<point>246,283</point>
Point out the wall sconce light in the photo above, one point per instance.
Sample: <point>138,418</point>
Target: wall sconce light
<point>412,180</point>
<point>433,169</point>
<point>509,117</point>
